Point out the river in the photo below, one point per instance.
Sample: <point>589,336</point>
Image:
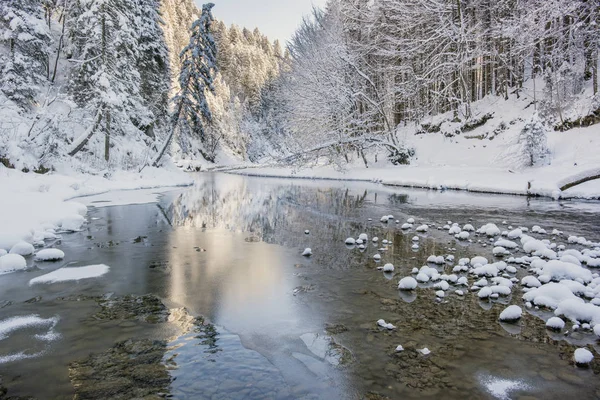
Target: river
<point>277,324</point>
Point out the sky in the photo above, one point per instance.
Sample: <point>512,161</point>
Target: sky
<point>277,19</point>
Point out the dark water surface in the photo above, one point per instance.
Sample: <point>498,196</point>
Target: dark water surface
<point>286,326</point>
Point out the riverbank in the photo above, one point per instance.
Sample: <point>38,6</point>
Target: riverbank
<point>34,206</point>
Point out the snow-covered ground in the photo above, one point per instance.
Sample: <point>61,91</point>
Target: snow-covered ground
<point>34,207</point>
<point>486,159</point>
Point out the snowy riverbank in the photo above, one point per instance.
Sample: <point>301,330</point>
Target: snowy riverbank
<point>468,163</point>
<point>34,206</point>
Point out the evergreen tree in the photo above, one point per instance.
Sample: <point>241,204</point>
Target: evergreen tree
<point>153,63</point>
<point>534,142</point>
<point>198,67</point>
<point>105,79</point>
<point>25,37</point>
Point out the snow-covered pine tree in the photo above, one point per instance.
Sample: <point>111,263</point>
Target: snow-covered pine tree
<point>24,43</point>
<point>153,64</point>
<point>105,79</point>
<point>191,110</point>
<point>534,142</point>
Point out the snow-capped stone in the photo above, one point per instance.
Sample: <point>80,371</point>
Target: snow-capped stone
<point>377,257</point>
<point>307,232</point>
<point>462,281</point>
<point>443,285</point>
<point>12,262</point>
<point>500,251</point>
<point>359,241</point>
<point>440,293</point>
<point>501,290</point>
<point>423,228</point>
<point>511,314</point>
<point>49,255</point>
<point>415,239</point>
<point>550,295</point>
<point>459,292</point>
<point>478,260</point>
<point>559,270</point>
<point>388,268</point>
<point>597,330</point>
<point>555,323</point>
<point>436,260</point>
<point>468,228</point>
<point>570,259</point>
<point>410,220</point>
<point>531,282</point>
<point>489,230</point>
<point>415,246</point>
<point>408,283</point>
<point>415,271</point>
<point>307,252</point>
<point>385,325</point>
<point>406,226</point>
<point>454,230</point>
<point>350,241</point>
<point>463,235</point>
<point>583,356</point>
<point>576,310</point>
<point>515,234</point>
<point>422,277</point>
<point>364,237</point>
<point>425,351</point>
<point>399,349</point>
<point>485,292</point>
<point>22,248</point>
<point>375,239</point>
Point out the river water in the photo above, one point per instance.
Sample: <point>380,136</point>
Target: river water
<point>286,326</point>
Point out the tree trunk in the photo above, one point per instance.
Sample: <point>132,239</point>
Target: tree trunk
<point>107,137</point>
<point>81,144</point>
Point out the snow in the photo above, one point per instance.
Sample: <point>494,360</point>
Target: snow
<point>555,323</point>
<point>49,255</point>
<point>500,251</point>
<point>10,325</point>
<point>12,262</point>
<point>388,268</point>
<point>559,270</point>
<point>578,311</point>
<point>478,260</point>
<point>485,292</point>
<point>423,277</point>
<point>597,330</point>
<point>440,293</point>
<point>530,281</point>
<point>507,244</point>
<point>422,228</point>
<point>377,257</point>
<point>41,201</point>
<point>72,274</point>
<point>408,283</point>
<point>583,356</point>
<point>22,248</point>
<point>350,241</point>
<point>550,295</point>
<point>425,351</point>
<point>399,348</point>
<point>511,313</point>
<point>385,325</point>
<point>307,252</point>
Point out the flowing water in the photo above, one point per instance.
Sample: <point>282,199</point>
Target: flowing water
<point>278,325</point>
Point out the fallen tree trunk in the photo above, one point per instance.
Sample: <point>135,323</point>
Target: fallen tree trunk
<point>86,138</point>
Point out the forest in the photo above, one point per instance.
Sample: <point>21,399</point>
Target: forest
<point>120,84</point>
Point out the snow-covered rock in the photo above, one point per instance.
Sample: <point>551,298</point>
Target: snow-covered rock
<point>478,260</point>
<point>436,260</point>
<point>408,283</point>
<point>385,325</point>
<point>583,356</point>
<point>49,255</point>
<point>555,323</point>
<point>550,295</point>
<point>489,230</point>
<point>23,249</point>
<point>377,257</point>
<point>12,262</point>
<point>558,270</point>
<point>576,310</point>
<point>485,292</point>
<point>388,268</point>
<point>463,235</point>
<point>350,241</point>
<point>307,252</point>
<point>531,282</point>
<point>423,228</point>
<point>511,314</point>
<point>399,348</point>
<point>422,277</point>
<point>500,251</point>
<point>440,293</point>
<point>425,351</point>
<point>364,237</point>
<point>406,226</point>
<point>515,234</point>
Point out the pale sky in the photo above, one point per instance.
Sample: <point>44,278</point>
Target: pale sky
<point>277,19</point>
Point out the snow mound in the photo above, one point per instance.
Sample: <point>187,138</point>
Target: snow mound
<point>485,292</point>
<point>72,274</point>
<point>550,295</point>
<point>436,260</point>
<point>72,223</point>
<point>408,283</point>
<point>350,241</point>
<point>12,262</point>
<point>558,270</point>
<point>23,249</point>
<point>423,228</point>
<point>555,323</point>
<point>307,252</point>
<point>507,244</point>
<point>583,356</point>
<point>49,255</point>
<point>385,325</point>
<point>489,230</point>
<point>388,268</point>
<point>578,311</point>
<point>531,282</point>
<point>478,260</point>
<point>511,314</point>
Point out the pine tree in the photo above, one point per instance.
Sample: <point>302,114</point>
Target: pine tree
<point>26,37</point>
<point>198,68</point>
<point>534,142</point>
<point>105,79</point>
<point>153,63</point>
